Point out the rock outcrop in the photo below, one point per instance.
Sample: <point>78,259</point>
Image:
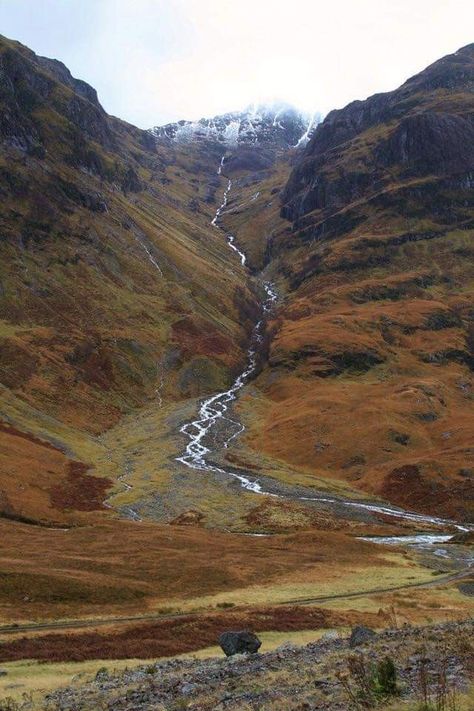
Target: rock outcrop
<point>424,128</point>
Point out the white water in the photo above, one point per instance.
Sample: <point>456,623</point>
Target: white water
<point>148,253</point>
<point>421,539</point>
<point>230,238</point>
<point>427,542</point>
<point>214,409</point>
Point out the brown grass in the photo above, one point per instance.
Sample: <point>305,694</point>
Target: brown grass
<point>39,483</point>
<point>173,636</point>
<point>162,563</point>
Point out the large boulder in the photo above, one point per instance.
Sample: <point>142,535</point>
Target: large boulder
<point>239,643</point>
<point>361,635</point>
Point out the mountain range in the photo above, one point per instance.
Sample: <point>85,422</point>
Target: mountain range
<point>277,124</point>
<point>229,349</point>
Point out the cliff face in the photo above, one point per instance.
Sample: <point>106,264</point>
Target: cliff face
<point>372,352</point>
<point>425,128</point>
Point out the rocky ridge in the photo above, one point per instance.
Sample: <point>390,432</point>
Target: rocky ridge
<point>275,125</point>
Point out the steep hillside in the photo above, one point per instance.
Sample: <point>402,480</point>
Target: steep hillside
<point>370,367</point>
<point>109,267</point>
<point>192,389</point>
<point>116,290</point>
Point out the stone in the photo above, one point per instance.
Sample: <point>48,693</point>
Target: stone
<point>466,588</point>
<point>287,647</point>
<point>3,672</point>
<point>361,635</point>
<point>239,643</point>
<point>463,538</point>
<point>188,689</point>
<point>330,635</point>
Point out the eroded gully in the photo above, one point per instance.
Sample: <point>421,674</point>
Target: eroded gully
<point>214,429</point>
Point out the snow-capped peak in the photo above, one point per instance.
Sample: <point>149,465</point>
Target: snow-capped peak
<point>277,124</point>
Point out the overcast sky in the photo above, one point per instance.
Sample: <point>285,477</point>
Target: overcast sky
<point>154,61</point>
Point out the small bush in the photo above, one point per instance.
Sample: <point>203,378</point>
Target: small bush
<point>367,684</point>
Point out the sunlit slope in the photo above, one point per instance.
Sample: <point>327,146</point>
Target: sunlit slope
<point>370,366</point>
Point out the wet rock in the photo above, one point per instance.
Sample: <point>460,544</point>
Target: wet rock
<point>361,635</point>
<point>239,643</point>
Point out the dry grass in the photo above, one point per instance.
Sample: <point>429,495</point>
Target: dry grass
<point>174,567</point>
<point>177,636</point>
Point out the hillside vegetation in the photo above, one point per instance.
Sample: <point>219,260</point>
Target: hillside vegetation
<point>371,355</point>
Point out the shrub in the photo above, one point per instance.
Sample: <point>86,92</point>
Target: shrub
<point>366,684</point>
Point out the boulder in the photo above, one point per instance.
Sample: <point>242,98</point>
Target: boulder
<point>361,635</point>
<point>239,643</point>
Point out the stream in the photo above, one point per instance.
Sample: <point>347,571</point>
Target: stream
<point>213,417</point>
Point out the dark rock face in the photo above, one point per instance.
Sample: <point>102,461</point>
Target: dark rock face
<point>29,82</point>
<point>424,128</point>
<point>239,643</point>
<point>62,73</point>
<point>431,141</point>
<point>360,635</point>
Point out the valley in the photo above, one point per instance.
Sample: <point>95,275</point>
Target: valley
<point>236,368</point>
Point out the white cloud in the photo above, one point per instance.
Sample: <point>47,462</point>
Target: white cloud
<point>159,60</point>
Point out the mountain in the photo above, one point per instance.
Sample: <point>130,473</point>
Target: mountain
<point>115,288</point>
<point>372,352</point>
<point>278,124</point>
<point>224,356</point>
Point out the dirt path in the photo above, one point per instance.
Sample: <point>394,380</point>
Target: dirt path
<point>100,622</point>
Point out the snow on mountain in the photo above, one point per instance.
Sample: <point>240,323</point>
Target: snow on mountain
<point>278,124</point>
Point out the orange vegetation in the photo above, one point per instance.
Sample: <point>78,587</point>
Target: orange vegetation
<point>124,566</point>
<point>169,637</point>
<point>41,485</point>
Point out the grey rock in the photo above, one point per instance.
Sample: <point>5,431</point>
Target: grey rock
<point>467,588</point>
<point>188,689</point>
<point>287,647</point>
<point>361,635</point>
<point>239,643</point>
<point>330,635</point>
